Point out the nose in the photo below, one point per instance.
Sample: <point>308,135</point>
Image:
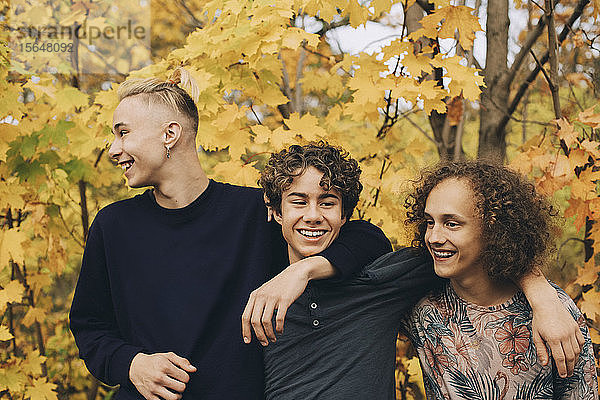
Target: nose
<point>115,149</point>
<point>313,214</point>
<point>435,234</point>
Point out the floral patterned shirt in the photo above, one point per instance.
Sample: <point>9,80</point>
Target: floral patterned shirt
<point>473,352</point>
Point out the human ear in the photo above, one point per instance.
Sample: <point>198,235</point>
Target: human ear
<point>277,216</point>
<point>173,133</point>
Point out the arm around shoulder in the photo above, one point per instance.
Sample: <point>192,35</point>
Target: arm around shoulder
<point>358,244</point>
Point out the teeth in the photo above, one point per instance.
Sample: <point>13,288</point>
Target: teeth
<point>126,165</point>
<point>311,233</point>
<point>443,254</point>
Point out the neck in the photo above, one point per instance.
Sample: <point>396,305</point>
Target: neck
<point>181,183</point>
<point>484,291</point>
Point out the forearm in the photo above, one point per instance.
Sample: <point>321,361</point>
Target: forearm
<point>312,268</point>
<point>358,244</point>
<point>107,356</point>
<point>538,291</point>
<point>552,324</point>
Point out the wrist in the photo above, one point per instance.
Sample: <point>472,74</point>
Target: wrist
<point>314,267</point>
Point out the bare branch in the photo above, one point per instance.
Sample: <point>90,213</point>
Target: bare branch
<point>553,58</point>
<point>541,67</point>
<point>413,123</point>
<point>298,85</point>
<point>531,77</point>
<point>255,115</point>
<point>197,22</point>
<point>530,40</point>
<point>286,83</point>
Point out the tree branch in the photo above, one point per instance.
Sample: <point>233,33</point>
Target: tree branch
<point>298,85</point>
<point>553,58</point>
<point>531,77</point>
<point>286,82</point>
<point>530,40</point>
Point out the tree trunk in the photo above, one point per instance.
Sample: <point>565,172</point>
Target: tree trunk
<point>494,98</point>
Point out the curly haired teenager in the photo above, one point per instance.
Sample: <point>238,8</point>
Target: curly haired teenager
<point>340,336</point>
<point>166,274</point>
<point>485,228</point>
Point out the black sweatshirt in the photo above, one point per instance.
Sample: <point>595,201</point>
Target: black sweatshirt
<point>157,280</point>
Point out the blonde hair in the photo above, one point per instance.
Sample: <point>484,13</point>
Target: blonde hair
<point>171,93</point>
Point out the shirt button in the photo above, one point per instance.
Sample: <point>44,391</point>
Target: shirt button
<point>316,322</point>
<point>313,305</point>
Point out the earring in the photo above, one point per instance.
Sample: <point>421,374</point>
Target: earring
<point>168,152</point>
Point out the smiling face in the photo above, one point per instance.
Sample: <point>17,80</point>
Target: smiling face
<point>138,145</point>
<point>310,217</point>
<point>453,234</point>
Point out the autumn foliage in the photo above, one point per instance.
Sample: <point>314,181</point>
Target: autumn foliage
<point>269,76</point>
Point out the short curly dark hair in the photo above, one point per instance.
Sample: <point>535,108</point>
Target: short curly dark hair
<point>518,224</point>
<point>340,172</point>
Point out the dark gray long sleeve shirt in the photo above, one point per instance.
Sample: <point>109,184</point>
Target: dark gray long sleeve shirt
<point>339,337</point>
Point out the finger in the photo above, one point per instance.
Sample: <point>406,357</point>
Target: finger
<point>267,320</point>
<point>540,348</point>
<point>280,318</point>
<point>246,315</point>
<point>173,384</point>
<point>168,395</point>
<point>181,362</point>
<point>559,357</point>
<point>580,338</point>
<point>569,357</point>
<point>576,347</point>
<point>255,321</point>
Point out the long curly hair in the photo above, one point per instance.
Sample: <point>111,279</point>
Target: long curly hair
<point>518,224</point>
<point>340,172</point>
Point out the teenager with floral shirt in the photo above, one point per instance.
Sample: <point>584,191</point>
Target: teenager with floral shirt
<point>485,227</point>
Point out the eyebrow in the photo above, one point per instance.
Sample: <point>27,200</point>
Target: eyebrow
<point>451,216</point>
<point>321,196</point>
<point>118,125</point>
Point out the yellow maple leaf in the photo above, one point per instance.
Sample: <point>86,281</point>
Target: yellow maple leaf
<point>577,158</point>
<point>263,134</point>
<point>585,186</point>
<point>452,19</point>
<point>307,126</point>
<point>293,38</point>
<point>590,304</point>
<point>271,96</point>
<point>566,131</point>
<point>282,138</point>
<point>464,80</point>
<point>11,246</point>
<point>589,117</point>
<point>12,378</point>
<point>238,173</point>
<point>37,281</point>
<point>588,274</point>
<point>69,98</point>
<point>33,363</point>
<point>33,315</point>
<point>11,194</point>
<point>416,64</point>
<point>357,13</point>
<point>5,334</point>
<point>41,390</point>
<point>226,118</point>
<point>579,209</point>
<point>591,148</point>
<point>12,293</point>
